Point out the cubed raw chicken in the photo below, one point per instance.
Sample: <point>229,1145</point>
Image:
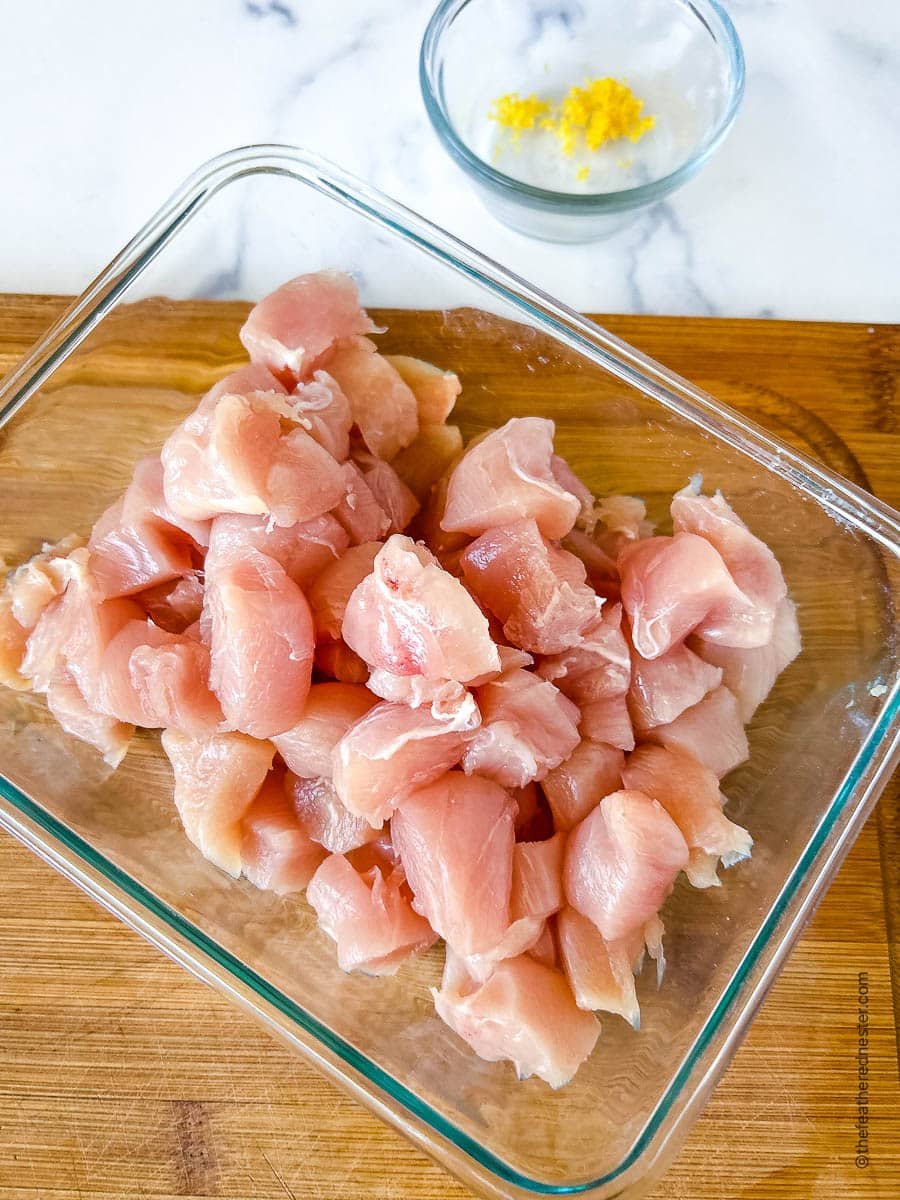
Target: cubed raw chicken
<point>527,729</point>
<point>455,838</point>
<point>330,710</point>
<point>426,459</point>
<point>324,412</point>
<point>368,915</point>
<point>747,620</point>
<point>216,780</point>
<point>668,587</point>
<point>277,854</point>
<point>608,721</point>
<point>576,786</point>
<point>393,750</point>
<point>260,634</point>
<point>324,818</point>
<point>442,695</point>
<point>507,477</point>
<point>662,688</point>
<point>31,586</point>
<point>304,550</point>
<point>384,408</point>
<point>359,511</point>
<point>176,605</point>
<point>750,674</point>
<point>600,973</point>
<point>689,792</point>
<point>570,482</point>
<point>621,862</point>
<point>537,889</point>
<point>289,330</point>
<point>410,617</point>
<point>538,591</point>
<point>544,949</point>
<point>620,521</point>
<point>156,680</point>
<point>524,1013</point>
<point>232,456</point>
<point>328,594</point>
<point>435,390</point>
<point>71,710</point>
<point>534,821</point>
<point>711,732</point>
<point>602,570</point>
<point>598,667</point>
<point>393,496</point>
<point>13,641</point>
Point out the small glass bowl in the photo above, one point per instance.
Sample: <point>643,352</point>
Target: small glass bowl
<point>684,60</point>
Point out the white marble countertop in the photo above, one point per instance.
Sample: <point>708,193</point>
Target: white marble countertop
<point>108,106</point>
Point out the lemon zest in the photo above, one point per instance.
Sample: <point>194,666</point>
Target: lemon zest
<point>518,113</point>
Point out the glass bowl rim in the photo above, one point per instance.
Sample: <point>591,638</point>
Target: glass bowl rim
<point>877,754</point>
<point>577,202</point>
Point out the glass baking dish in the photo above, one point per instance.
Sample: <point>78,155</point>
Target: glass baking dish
<point>116,373</point>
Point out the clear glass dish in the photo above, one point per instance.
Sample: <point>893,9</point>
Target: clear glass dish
<point>117,371</point>
<point>684,60</point>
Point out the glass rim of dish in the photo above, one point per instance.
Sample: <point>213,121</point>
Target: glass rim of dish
<point>199,952</point>
<point>430,71</point>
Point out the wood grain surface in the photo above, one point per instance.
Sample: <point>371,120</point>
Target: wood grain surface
<point>120,1076</point>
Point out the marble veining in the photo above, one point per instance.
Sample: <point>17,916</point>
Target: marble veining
<point>110,106</point>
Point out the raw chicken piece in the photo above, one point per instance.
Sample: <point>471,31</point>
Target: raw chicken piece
<point>455,839</point>
<point>69,707</point>
<point>507,477</point>
<point>689,792</point>
<point>323,817</point>
<point>174,606</point>
<point>157,680</point>
<point>446,547</point>
<point>751,674</point>
<point>232,456</point>
<point>294,326</point>
<point>668,587</point>
<point>662,688</point>
<point>569,481</point>
<point>600,973</point>
<point>537,878</point>
<point>621,862</point>
<point>329,593</point>
<point>359,511</point>
<point>13,641</point>
<point>426,459</point>
<point>544,949</point>
<point>129,557</point>
<point>621,520</point>
<point>538,591</point>
<point>410,617</point>
<point>527,729</point>
<point>598,667</point>
<point>368,915</point>
<point>250,378</point>
<point>384,408</point>
<point>746,620</point>
<point>392,495</point>
<point>277,854</point>
<point>394,749</point>
<point>31,586</point>
<point>260,634</point>
<point>74,630</point>
<point>335,659</point>
<point>576,786</point>
<point>608,721</point>
<point>330,710</point>
<point>324,412</point>
<point>442,695</point>
<point>711,732</point>
<point>534,822</point>
<point>216,779</point>
<point>602,570</point>
<point>435,390</point>
<point>523,1012</point>
<point>303,550</point>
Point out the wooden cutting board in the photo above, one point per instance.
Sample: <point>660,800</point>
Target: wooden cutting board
<point>120,1076</point>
